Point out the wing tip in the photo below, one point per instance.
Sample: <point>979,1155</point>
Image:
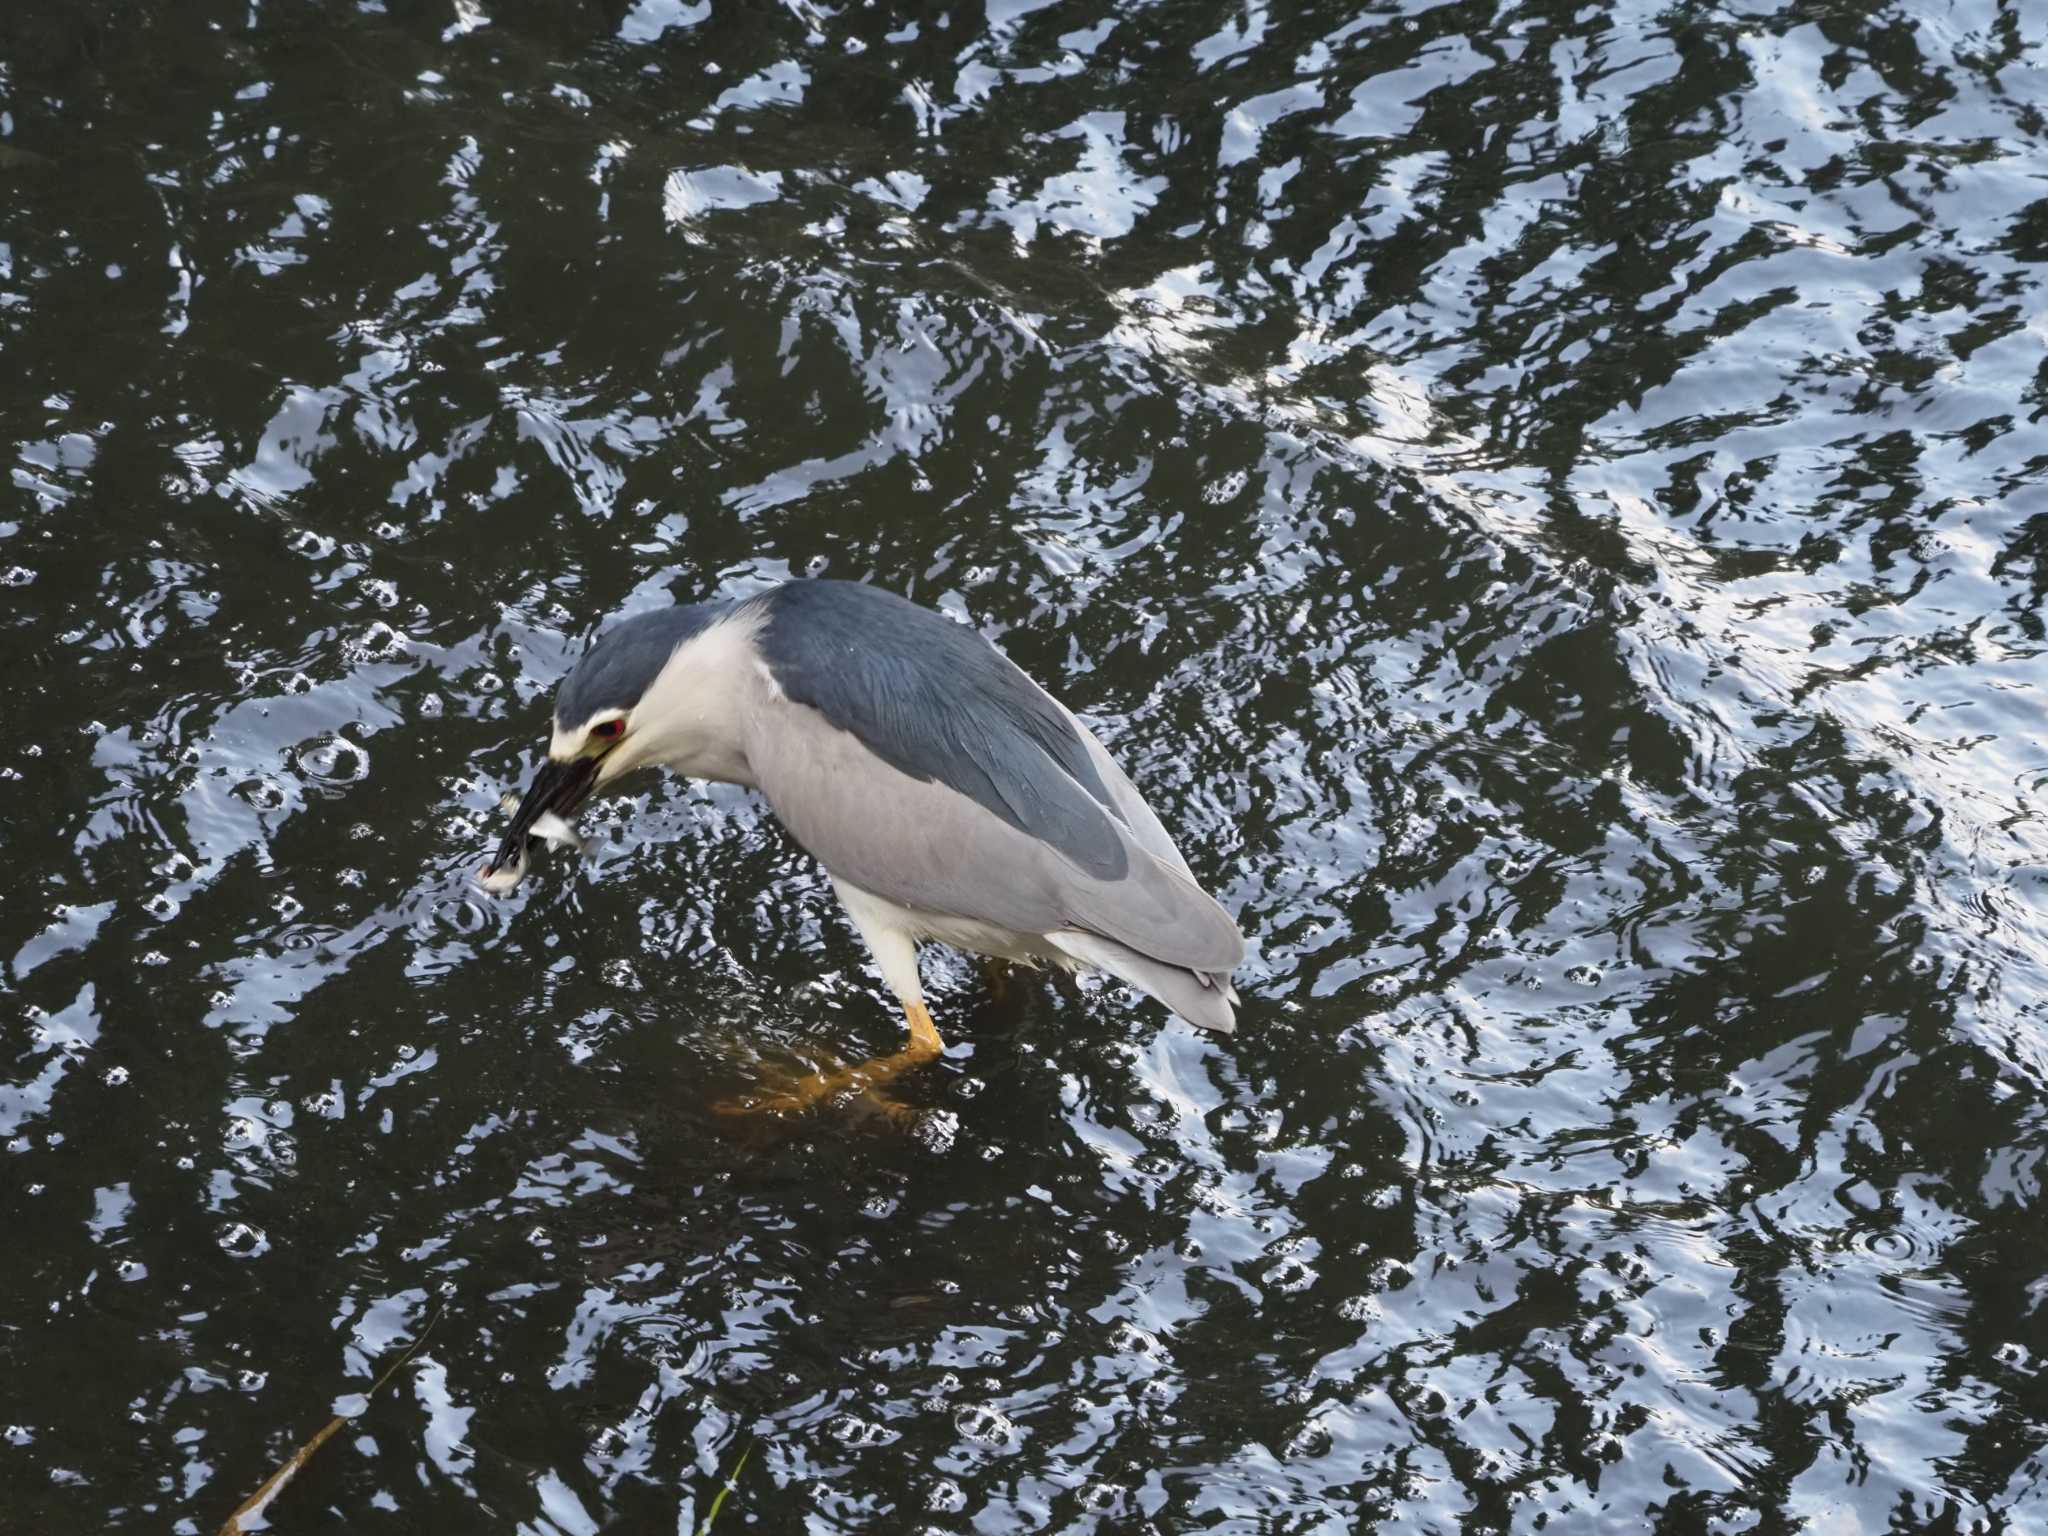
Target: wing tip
<point>1205,999</point>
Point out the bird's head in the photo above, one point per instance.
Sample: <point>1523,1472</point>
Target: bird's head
<point>636,698</point>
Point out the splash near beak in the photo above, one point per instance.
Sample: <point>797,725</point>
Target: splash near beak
<point>553,796</point>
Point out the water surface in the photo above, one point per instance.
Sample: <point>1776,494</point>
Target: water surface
<point>1547,500</point>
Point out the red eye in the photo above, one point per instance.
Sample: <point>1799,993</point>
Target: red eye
<point>608,728</point>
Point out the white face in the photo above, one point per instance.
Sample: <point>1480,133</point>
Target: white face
<point>600,736</point>
<point>691,717</point>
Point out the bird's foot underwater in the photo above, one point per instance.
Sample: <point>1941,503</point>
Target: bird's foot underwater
<point>996,976</point>
<point>786,1092</point>
<point>783,1094</point>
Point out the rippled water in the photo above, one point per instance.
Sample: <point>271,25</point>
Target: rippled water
<point>1551,503</point>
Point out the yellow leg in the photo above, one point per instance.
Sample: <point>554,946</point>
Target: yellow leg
<point>792,1094</point>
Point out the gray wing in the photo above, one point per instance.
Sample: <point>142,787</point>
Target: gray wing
<point>1145,828</point>
<point>929,846</point>
<point>938,703</point>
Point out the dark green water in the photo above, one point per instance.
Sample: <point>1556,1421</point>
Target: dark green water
<point>1551,503</point>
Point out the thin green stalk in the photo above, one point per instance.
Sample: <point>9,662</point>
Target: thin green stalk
<point>731,1481</point>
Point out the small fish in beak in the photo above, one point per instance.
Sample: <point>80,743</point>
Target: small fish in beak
<point>547,828</point>
<point>557,790</point>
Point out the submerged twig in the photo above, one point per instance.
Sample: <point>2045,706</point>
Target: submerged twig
<point>253,1507</point>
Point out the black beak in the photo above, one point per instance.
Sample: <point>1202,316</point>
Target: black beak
<point>557,787</point>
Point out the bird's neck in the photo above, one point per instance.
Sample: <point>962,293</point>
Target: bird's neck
<point>703,702</point>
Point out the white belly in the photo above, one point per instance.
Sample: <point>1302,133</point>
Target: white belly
<point>960,932</point>
<point>893,932</point>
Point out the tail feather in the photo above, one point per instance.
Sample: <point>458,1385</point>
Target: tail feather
<point>1196,996</point>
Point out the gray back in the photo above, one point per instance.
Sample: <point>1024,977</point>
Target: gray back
<point>936,701</point>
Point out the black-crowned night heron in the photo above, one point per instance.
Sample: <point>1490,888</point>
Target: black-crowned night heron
<point>946,793</point>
